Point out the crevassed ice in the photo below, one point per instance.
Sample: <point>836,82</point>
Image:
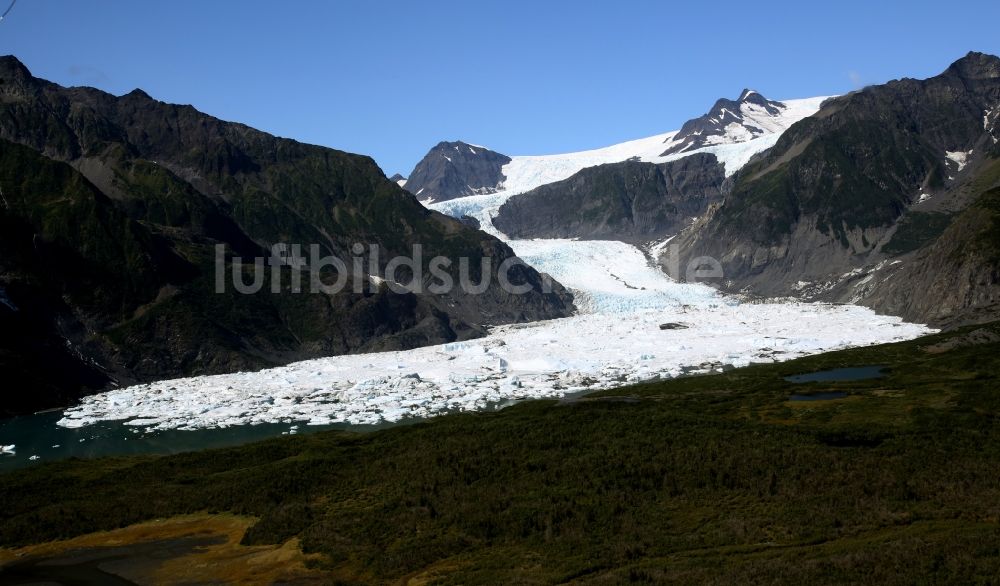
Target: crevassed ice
<point>618,343</point>
<point>613,340</point>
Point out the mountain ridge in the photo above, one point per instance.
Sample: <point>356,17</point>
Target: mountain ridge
<point>843,198</point>
<point>180,182</point>
<point>749,116</point>
<point>632,201</point>
<point>456,169</point>
<point>827,209</point>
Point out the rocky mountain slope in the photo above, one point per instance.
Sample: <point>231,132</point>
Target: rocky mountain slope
<point>629,201</point>
<point>111,209</point>
<point>886,197</point>
<point>631,191</point>
<point>749,117</point>
<point>881,197</point>
<point>456,169</point>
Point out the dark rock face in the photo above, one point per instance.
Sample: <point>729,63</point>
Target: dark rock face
<point>863,183</point>
<point>456,169</point>
<point>954,280</point>
<point>744,112</point>
<point>110,213</point>
<point>398,179</point>
<point>630,201</point>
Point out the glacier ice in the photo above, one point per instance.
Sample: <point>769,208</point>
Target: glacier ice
<point>613,340</point>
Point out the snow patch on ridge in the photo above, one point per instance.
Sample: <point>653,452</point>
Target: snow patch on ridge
<point>960,158</point>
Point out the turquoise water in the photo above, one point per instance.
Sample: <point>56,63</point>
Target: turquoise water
<point>38,435</point>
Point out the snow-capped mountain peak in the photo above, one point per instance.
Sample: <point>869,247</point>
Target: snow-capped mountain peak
<point>729,122</point>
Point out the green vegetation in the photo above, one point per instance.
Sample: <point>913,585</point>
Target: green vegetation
<point>713,478</point>
<point>977,228</point>
<point>915,230</point>
<point>854,176</point>
<point>989,238</point>
<point>629,199</point>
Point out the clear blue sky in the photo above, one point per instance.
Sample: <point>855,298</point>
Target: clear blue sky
<point>391,79</point>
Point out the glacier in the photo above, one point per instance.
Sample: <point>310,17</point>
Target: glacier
<point>524,173</point>
<point>614,339</point>
<point>589,351</point>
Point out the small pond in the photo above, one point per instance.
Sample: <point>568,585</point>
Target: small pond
<point>838,375</point>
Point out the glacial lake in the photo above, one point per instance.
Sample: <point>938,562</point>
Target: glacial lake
<point>39,435</point>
